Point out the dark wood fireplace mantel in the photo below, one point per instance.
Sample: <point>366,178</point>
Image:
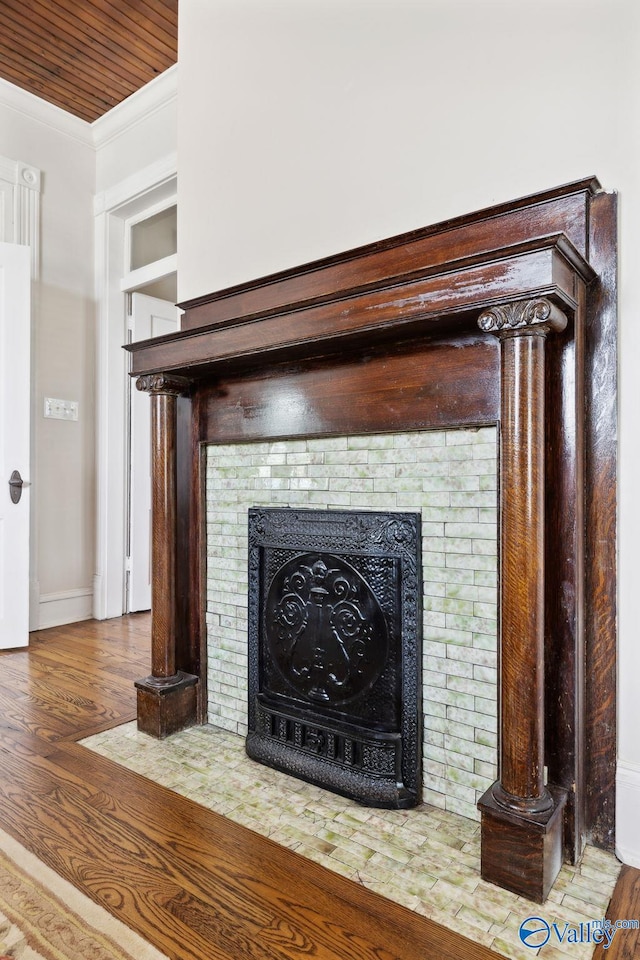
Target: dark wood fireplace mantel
<point>505,317</point>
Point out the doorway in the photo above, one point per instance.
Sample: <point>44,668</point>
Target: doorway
<point>136,248</point>
<point>151,288</point>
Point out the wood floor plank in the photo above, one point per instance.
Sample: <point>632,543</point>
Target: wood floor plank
<point>24,745</point>
<point>53,716</point>
<point>68,681</point>
<point>118,658</point>
<point>65,676</point>
<point>625,905</point>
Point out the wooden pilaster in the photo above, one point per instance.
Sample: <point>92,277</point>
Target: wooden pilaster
<point>166,698</point>
<point>521,817</point>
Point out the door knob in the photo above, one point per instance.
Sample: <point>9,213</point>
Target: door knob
<point>16,483</point>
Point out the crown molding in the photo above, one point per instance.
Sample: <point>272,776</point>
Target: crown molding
<point>155,95</point>
<point>35,108</point>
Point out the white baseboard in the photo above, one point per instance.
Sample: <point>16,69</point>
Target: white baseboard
<point>66,606</point>
<point>627,813</point>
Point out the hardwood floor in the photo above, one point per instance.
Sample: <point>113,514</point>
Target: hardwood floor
<point>186,879</point>
<point>625,905</point>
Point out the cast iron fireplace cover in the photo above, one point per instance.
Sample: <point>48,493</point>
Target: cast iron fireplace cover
<point>335,630</point>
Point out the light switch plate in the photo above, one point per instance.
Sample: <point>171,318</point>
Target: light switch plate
<point>60,409</point>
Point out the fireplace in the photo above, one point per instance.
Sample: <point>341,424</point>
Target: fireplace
<point>503,319</point>
<point>334,650</point>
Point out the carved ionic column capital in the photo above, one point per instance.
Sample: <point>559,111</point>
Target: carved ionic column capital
<point>538,316</point>
<point>162,383</point>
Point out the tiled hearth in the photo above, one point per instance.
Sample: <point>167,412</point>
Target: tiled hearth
<point>426,859</point>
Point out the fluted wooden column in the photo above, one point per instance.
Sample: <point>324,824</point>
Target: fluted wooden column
<point>166,698</point>
<point>521,816</point>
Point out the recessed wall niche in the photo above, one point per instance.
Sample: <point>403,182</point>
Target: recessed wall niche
<point>449,477</point>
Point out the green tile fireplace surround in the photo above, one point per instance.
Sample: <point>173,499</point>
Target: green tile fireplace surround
<point>450,478</point>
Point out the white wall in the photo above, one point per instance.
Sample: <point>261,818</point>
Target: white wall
<point>63,472</point>
<point>307,127</point>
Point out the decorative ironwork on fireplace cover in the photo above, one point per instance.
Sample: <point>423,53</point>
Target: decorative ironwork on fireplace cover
<point>335,630</point>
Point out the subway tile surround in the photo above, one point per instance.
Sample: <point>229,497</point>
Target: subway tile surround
<point>450,477</point>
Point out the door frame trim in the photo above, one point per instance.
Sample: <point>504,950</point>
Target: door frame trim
<point>112,208</point>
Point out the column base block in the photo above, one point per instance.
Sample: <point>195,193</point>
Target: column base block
<point>522,853</point>
<point>168,705</point>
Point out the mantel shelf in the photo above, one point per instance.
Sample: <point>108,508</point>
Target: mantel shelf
<point>432,302</point>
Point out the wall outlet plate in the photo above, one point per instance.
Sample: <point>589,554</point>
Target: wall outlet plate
<point>60,409</point>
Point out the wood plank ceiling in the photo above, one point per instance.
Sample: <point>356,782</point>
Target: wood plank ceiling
<point>86,56</point>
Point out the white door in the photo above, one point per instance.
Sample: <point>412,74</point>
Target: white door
<point>150,318</point>
<point>15,344</point>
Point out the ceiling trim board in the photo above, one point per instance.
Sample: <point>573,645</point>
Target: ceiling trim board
<point>158,93</point>
<point>35,108</point>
